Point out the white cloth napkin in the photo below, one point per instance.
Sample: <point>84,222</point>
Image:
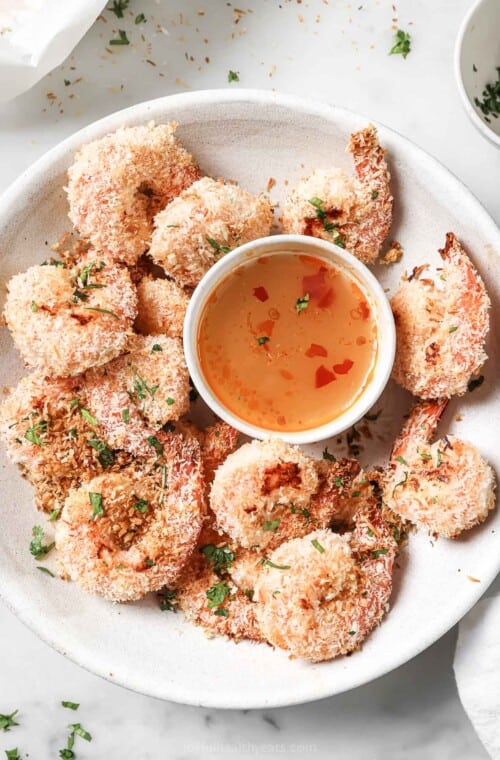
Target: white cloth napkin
<point>36,36</point>
<point>477,670</point>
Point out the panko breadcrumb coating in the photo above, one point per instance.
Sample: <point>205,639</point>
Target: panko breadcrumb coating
<point>446,487</point>
<point>235,614</point>
<point>204,222</point>
<point>353,212</point>
<point>46,431</point>
<point>256,485</point>
<point>441,327</point>
<point>320,596</point>
<point>117,184</point>
<point>133,396</point>
<point>64,321</point>
<point>161,308</point>
<point>124,534</point>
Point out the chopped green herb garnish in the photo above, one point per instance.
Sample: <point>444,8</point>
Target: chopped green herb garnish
<point>276,567</point>
<point>149,563</point>
<point>118,7</point>
<point>351,633</point>
<point>96,503</point>
<point>102,311</point>
<point>328,226</point>
<point>262,340</point>
<point>370,533</point>
<point>217,594</point>
<point>105,455</point>
<point>476,382</point>
<point>155,443</point>
<point>374,195</point>
<point>12,754</point>
<point>34,306</point>
<point>126,415</point>
<point>490,103</point>
<point>221,557</point>
<point>67,83</point>
<point>156,347</point>
<point>141,388</point>
<point>167,597</point>
<point>438,458</point>
<point>71,705</point>
<point>140,18</point>
<point>73,433</point>
<point>233,76</point>
<point>355,494</point>
<point>74,402</point>
<point>402,460</point>
<point>328,456</point>
<point>37,549</point>
<point>338,481</point>
<point>401,482</point>
<point>33,433</point>
<point>317,546</point>
<point>77,729</point>
<point>45,570</point>
<point>222,612</point>
<point>401,44</point>
<point>170,401</point>
<point>474,68</point>
<point>7,721</point>
<point>302,303</point>
<point>378,552</point>
<point>54,514</point>
<point>141,505</point>
<point>122,38</point>
<point>218,248</point>
<point>304,512</point>
<point>453,329</point>
<point>271,524</point>
<point>249,593</point>
<point>88,417</point>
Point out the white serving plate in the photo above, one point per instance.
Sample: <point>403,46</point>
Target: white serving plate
<point>251,136</point>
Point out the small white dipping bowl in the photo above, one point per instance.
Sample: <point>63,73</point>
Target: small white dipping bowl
<point>308,246</point>
<point>477,55</point>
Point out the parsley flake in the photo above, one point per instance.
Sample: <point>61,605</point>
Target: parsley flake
<point>378,552</point>
<point>118,7</point>
<point>45,570</point>
<point>126,415</point>
<point>12,754</point>
<point>233,76</point>
<point>302,303</point>
<point>217,594</point>
<point>71,705</point>
<point>170,401</point>
<point>140,19</point>
<point>156,347</point>
<point>37,549</point>
<point>218,248</point>
<point>77,729</point>
<point>155,443</point>
<point>264,339</point>
<point>96,504</point>
<point>105,455</point>
<point>401,44</point>
<point>34,307</point>
<point>7,721</point>
<point>141,505</point>
<point>221,557</point>
<point>33,433</point>
<point>88,417</point>
<point>276,567</point>
<point>328,456</point>
<point>167,604</point>
<point>222,612</point>
<point>271,524</point>
<point>328,226</point>
<point>317,546</point>
<point>402,460</point>
<point>122,38</point>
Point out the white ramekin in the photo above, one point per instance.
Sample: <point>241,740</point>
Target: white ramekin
<point>477,54</point>
<point>312,247</point>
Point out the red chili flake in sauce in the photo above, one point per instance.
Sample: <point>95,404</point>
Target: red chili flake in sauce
<point>364,310</point>
<point>266,327</point>
<point>261,293</point>
<point>343,369</point>
<point>316,350</point>
<point>318,289</point>
<point>323,376</point>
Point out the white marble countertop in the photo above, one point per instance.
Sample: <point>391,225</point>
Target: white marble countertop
<point>334,51</point>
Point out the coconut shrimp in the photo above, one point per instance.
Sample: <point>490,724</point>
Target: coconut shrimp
<point>64,321</point>
<point>355,213</point>
<point>255,487</point>
<point>126,533</point>
<point>441,327</point>
<point>204,222</point>
<point>161,307</point>
<point>446,486</point>
<point>321,595</point>
<point>209,597</point>
<point>133,396</point>
<point>117,184</point>
<point>47,432</point>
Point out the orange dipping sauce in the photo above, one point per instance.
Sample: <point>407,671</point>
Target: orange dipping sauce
<point>287,342</point>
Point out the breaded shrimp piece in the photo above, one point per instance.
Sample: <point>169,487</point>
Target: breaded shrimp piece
<point>161,308</point>
<point>136,394</point>
<point>255,486</point>
<point>353,212</point>
<point>204,222</point>
<point>124,534</point>
<point>441,327</point>
<point>446,487</point>
<point>320,596</point>
<point>117,184</point>
<point>46,430</point>
<point>64,321</point>
<point>208,596</point>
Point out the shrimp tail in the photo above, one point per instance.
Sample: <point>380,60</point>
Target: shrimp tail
<point>420,426</point>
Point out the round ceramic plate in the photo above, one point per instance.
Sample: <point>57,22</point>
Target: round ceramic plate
<point>252,136</point>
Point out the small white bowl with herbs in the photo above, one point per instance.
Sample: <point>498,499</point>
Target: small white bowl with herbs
<point>477,67</point>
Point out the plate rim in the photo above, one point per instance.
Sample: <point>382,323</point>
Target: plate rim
<point>8,201</point>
